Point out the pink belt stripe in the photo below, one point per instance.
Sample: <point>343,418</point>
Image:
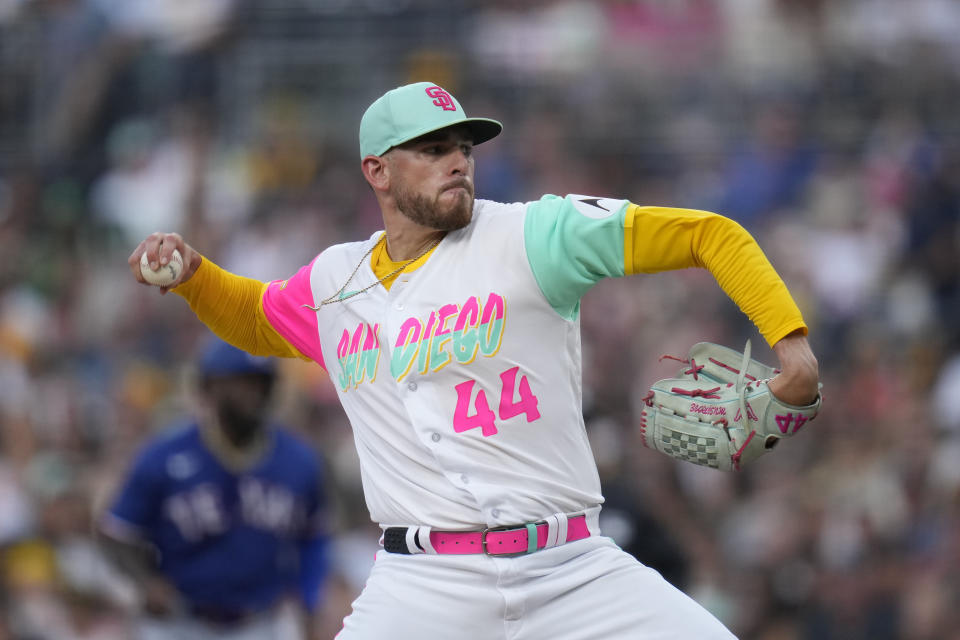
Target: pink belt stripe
<point>502,542</point>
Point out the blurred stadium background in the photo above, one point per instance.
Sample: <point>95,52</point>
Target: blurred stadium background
<point>828,129</point>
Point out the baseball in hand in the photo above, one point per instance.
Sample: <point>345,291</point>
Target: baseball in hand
<point>166,274</point>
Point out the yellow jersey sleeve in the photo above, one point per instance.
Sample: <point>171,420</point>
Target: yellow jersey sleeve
<point>663,238</point>
<point>230,306</point>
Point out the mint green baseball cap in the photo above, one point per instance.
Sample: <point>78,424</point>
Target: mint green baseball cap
<point>410,111</point>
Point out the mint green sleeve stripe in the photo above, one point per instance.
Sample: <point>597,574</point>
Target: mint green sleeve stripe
<point>570,251</point>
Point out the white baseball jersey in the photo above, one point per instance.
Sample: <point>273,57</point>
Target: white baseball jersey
<point>463,381</point>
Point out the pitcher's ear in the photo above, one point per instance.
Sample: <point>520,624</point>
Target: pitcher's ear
<point>377,172</point>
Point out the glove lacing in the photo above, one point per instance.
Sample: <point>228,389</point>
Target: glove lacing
<point>741,387</point>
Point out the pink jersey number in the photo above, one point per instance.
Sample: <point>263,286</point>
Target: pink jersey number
<point>527,403</point>
<point>482,416</point>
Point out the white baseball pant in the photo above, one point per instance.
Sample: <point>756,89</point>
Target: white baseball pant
<point>582,590</point>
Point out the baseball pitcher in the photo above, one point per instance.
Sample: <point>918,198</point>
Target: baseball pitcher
<point>452,337</point>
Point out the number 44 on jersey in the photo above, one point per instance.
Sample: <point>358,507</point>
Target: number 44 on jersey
<point>515,399</point>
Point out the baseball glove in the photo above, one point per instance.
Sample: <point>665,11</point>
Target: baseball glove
<point>718,411</point>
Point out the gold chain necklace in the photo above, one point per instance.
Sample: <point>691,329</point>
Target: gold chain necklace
<point>339,297</point>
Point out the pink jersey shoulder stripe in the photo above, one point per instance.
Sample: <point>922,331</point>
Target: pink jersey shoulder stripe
<point>286,304</point>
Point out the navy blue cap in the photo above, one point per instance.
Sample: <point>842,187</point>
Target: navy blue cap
<point>221,359</point>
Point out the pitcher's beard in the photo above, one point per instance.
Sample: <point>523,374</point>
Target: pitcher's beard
<point>430,213</point>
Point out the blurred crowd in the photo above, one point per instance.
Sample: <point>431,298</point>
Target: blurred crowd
<point>828,129</point>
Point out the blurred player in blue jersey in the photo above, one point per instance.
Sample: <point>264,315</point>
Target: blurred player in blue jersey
<point>220,520</point>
